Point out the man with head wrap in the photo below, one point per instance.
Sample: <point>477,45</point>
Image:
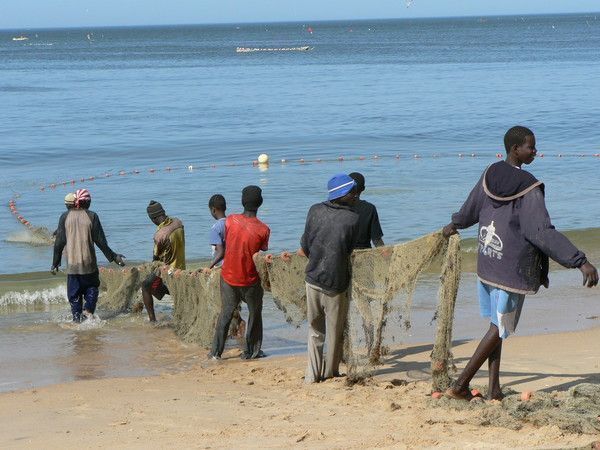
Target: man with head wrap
<point>78,230</point>
<point>169,248</point>
<point>245,235</point>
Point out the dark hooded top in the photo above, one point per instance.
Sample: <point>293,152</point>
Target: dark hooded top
<point>516,236</point>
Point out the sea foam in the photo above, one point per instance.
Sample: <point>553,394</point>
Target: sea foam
<point>56,295</point>
<point>36,237</point>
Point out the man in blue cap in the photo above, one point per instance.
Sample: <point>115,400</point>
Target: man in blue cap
<point>328,240</point>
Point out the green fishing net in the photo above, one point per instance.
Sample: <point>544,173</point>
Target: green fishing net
<point>381,292</point>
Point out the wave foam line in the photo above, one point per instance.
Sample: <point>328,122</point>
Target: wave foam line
<point>52,296</point>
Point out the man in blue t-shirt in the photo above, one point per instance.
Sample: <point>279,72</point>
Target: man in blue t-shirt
<point>218,206</point>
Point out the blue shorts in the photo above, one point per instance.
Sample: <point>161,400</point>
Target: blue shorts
<point>502,307</point>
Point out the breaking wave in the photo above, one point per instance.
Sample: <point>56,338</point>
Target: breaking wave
<point>56,295</point>
<point>36,237</point>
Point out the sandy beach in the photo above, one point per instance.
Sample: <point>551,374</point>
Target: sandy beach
<point>265,404</point>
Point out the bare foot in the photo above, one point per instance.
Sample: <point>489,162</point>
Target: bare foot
<point>495,395</point>
<point>458,393</point>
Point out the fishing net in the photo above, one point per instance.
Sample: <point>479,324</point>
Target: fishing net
<point>121,289</point>
<point>383,283</point>
<point>573,411</point>
<point>196,298</point>
<point>284,278</point>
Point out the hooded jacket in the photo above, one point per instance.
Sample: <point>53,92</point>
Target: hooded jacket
<point>516,236</point>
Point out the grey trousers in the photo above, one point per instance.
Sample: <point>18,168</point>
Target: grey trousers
<point>326,316</point>
<point>231,296</point>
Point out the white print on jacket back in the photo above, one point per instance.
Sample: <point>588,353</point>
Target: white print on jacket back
<point>490,243</point>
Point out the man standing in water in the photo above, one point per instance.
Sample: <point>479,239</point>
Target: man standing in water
<point>78,230</point>
<point>245,235</point>
<point>169,248</point>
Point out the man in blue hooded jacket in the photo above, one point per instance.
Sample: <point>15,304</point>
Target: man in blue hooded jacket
<point>516,237</point>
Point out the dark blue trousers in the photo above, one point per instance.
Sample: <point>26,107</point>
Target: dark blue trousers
<point>82,291</point>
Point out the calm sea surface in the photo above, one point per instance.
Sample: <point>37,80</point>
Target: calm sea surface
<point>81,103</point>
<point>142,98</point>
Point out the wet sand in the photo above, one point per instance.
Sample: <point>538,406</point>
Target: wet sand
<point>264,404</point>
<point>38,346</point>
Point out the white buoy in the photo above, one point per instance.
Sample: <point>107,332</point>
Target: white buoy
<point>190,167</point>
<point>263,158</point>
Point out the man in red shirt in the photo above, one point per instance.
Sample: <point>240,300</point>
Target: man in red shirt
<point>245,235</point>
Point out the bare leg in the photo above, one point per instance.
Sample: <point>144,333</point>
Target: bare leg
<point>484,350</point>
<point>494,392</point>
<point>148,303</point>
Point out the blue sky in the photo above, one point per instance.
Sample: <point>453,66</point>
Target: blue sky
<point>75,13</point>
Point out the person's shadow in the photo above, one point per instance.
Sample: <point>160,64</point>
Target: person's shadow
<point>421,370</point>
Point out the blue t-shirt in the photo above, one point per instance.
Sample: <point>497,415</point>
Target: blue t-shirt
<point>217,235</point>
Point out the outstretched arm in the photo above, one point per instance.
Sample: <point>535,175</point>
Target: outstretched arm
<point>59,243</point>
<point>99,237</point>
<point>376,231</point>
<point>219,255</point>
<point>539,231</point>
<point>468,215</point>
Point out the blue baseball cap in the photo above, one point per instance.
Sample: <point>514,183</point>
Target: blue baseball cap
<point>339,185</point>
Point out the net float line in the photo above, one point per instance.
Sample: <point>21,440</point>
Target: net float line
<point>12,205</point>
<point>262,162</point>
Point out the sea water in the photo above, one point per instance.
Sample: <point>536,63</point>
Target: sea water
<point>174,114</point>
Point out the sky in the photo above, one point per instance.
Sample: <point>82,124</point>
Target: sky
<point>23,14</point>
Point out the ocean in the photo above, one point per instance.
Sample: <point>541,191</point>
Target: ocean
<point>175,114</point>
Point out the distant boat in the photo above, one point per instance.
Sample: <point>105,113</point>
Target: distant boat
<point>304,48</point>
<point>20,38</point>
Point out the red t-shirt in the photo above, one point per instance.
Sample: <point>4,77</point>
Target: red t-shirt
<point>244,236</point>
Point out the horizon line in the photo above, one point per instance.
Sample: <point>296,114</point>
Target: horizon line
<point>303,21</point>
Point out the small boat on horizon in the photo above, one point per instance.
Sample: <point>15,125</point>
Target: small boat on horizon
<point>20,38</point>
<point>304,48</point>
